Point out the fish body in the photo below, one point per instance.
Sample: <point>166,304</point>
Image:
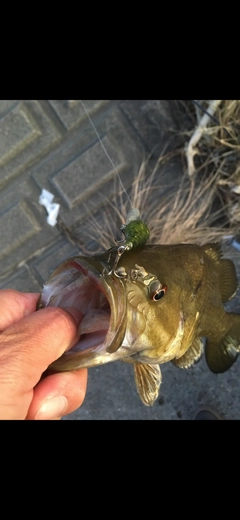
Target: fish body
<point>158,305</point>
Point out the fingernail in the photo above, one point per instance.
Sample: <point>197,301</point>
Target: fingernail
<point>52,408</point>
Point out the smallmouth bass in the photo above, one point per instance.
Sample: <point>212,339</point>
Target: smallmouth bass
<point>155,307</point>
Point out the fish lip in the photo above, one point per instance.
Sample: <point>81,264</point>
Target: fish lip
<point>114,290</point>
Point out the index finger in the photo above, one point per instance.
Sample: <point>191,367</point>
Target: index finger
<point>15,305</point>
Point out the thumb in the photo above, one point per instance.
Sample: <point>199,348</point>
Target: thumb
<point>29,346</point>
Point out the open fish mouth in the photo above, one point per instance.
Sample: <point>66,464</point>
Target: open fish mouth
<point>79,282</point>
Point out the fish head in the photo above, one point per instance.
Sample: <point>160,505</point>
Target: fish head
<point>155,322</point>
<point>131,312</point>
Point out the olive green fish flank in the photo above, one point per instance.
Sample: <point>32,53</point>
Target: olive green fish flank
<point>148,306</point>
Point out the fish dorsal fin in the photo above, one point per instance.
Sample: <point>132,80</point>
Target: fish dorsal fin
<point>191,356</point>
<point>148,379</point>
<point>228,282</point>
<point>213,250</point>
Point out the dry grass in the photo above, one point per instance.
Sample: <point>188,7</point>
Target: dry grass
<point>181,212</point>
<point>185,211</point>
<point>219,151</point>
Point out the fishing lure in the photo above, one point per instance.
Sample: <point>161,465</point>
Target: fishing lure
<point>136,234</point>
<point>135,230</point>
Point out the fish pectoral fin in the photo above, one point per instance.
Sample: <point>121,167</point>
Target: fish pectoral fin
<point>148,379</point>
<point>191,356</point>
<point>221,355</point>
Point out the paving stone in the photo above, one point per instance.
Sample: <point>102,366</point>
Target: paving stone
<point>22,280</point>
<point>23,227</point>
<point>19,217</point>
<point>23,132</point>
<point>73,183</point>
<point>79,172</point>
<point>26,134</point>
<point>44,265</point>
<point>6,105</point>
<point>71,112</point>
<point>153,121</point>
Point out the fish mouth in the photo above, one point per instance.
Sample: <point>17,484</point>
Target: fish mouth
<point>84,284</point>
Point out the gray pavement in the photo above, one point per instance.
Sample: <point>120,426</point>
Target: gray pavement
<point>51,145</point>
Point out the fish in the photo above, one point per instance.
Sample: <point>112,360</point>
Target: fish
<point>162,303</point>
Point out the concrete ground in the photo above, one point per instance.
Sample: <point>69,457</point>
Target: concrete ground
<point>51,145</point>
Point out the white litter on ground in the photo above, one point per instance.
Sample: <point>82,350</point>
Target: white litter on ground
<point>52,208</point>
<point>236,189</point>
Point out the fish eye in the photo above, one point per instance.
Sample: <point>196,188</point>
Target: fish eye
<point>158,294</point>
<point>157,291</point>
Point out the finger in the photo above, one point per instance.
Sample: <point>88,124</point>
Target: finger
<point>58,394</point>
<point>29,346</point>
<point>15,305</point>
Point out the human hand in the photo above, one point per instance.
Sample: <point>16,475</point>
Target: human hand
<point>29,342</point>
